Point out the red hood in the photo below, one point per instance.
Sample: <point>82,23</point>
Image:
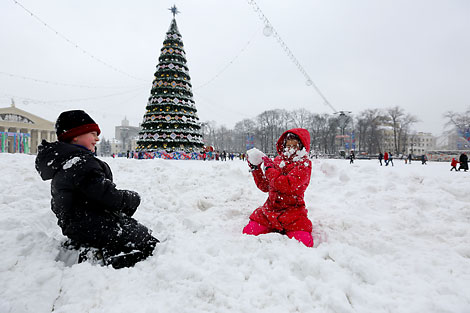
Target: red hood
<point>302,133</point>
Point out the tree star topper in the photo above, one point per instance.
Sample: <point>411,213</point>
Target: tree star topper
<point>174,10</point>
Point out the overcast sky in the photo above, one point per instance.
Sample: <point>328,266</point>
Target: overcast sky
<point>361,54</point>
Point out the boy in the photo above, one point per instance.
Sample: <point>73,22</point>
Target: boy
<point>91,212</point>
<point>286,179</point>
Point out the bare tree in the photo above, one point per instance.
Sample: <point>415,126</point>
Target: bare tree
<point>405,131</point>
<point>395,115</point>
<point>368,124</point>
<point>300,118</point>
<point>269,129</point>
<point>243,129</point>
<point>458,120</point>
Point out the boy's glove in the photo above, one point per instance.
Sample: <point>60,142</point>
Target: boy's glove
<point>130,202</point>
<point>268,163</point>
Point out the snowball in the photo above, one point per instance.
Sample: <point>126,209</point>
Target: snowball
<point>255,156</point>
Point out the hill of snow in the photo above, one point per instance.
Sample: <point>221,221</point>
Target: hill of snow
<point>398,241</point>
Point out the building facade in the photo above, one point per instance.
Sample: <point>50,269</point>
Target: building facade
<point>22,132</point>
<point>127,135</point>
<point>420,143</point>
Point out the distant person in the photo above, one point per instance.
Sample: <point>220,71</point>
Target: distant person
<point>409,158</point>
<point>352,156</point>
<point>381,156</point>
<point>454,163</point>
<point>424,159</point>
<point>386,158</point>
<point>463,162</point>
<point>390,158</point>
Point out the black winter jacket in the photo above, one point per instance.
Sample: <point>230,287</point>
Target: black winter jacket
<point>85,200</point>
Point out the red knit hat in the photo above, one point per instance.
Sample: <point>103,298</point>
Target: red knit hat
<point>74,123</point>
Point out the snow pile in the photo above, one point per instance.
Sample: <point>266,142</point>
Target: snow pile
<point>398,240</point>
<point>255,156</point>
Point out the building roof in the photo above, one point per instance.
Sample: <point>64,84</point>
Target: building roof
<point>14,117</point>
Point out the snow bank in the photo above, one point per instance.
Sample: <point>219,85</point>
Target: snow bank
<point>398,241</point>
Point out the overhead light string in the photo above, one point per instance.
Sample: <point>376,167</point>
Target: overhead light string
<point>231,62</point>
<point>268,31</point>
<point>76,45</point>
<point>134,90</point>
<point>64,84</point>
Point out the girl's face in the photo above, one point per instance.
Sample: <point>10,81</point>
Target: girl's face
<point>292,144</point>
<point>291,147</point>
<point>87,140</point>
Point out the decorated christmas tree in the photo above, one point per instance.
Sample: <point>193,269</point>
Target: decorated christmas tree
<point>170,121</point>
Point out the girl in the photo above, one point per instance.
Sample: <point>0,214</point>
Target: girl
<point>285,179</point>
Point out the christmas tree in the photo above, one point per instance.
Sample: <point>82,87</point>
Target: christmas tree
<point>170,121</point>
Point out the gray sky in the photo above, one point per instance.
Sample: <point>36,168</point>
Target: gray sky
<point>361,54</point>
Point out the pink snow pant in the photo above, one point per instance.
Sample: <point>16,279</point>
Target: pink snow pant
<point>254,228</point>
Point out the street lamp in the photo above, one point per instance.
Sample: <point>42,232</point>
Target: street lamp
<point>343,121</point>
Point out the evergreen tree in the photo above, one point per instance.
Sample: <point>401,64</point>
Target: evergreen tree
<point>170,121</point>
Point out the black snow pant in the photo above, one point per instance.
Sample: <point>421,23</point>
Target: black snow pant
<point>124,241</point>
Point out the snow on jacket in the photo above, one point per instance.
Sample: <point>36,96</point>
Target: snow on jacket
<point>85,200</point>
<point>286,182</point>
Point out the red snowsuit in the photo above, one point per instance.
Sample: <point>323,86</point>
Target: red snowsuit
<point>285,211</point>
<point>386,156</point>
<point>454,162</point>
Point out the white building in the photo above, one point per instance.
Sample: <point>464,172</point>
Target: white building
<point>127,135</point>
<point>22,132</point>
<point>420,143</point>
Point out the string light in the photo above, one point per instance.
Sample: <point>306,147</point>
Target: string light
<point>270,31</point>
<point>76,100</point>
<point>228,64</point>
<point>75,44</point>
<point>63,84</point>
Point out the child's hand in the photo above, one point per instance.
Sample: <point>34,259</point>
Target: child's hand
<point>252,166</point>
<point>131,201</point>
<point>268,162</point>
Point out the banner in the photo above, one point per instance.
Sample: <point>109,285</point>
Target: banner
<point>4,141</point>
<point>250,142</point>
<point>20,142</point>
<point>176,155</point>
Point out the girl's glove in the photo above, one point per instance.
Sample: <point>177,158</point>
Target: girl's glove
<point>252,166</point>
<point>268,163</point>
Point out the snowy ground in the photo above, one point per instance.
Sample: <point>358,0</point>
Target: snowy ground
<point>398,241</point>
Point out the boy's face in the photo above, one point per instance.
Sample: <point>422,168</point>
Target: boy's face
<point>87,140</point>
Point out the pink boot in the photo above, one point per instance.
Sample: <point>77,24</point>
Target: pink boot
<point>303,236</point>
<point>254,228</point>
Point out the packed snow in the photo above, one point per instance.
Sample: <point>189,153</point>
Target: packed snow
<point>255,156</point>
<point>398,241</point>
